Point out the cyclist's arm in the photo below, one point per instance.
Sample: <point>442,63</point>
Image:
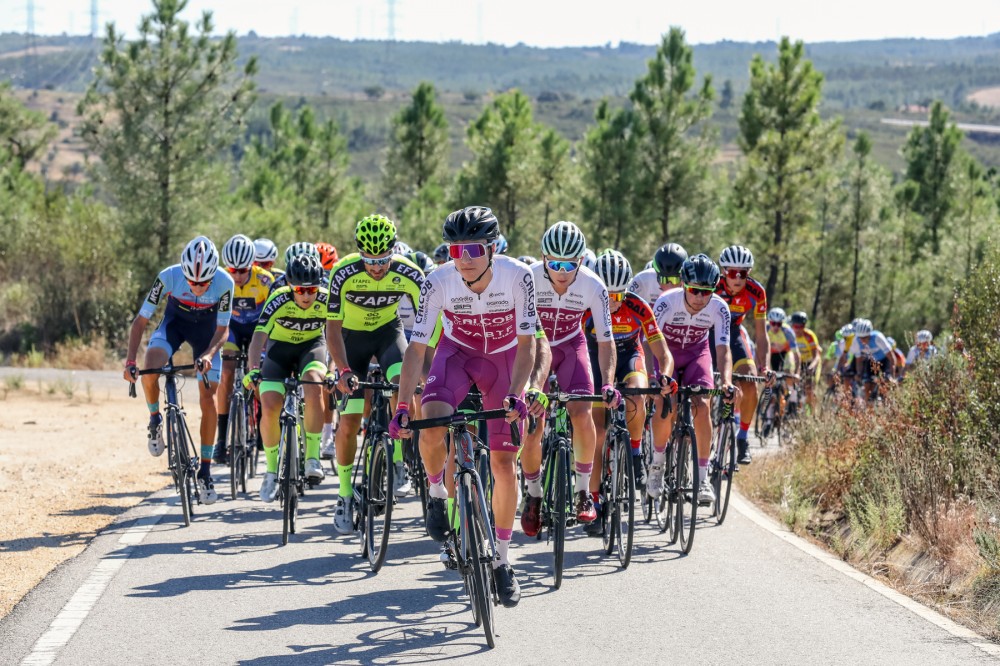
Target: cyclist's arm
<point>662,351</point>
<point>409,374</point>
<point>219,339</point>
<point>335,343</point>
<point>524,363</point>
<point>135,336</point>
<point>763,344</point>
<point>724,359</point>
<point>543,359</point>
<point>607,358</point>
<point>257,343</point>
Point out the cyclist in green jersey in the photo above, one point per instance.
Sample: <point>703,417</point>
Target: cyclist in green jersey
<point>291,325</point>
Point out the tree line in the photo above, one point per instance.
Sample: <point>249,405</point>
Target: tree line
<point>165,119</point>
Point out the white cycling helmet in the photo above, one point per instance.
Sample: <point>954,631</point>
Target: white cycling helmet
<point>736,256</point>
<point>649,264</point>
<point>589,259</point>
<point>200,260</point>
<point>402,248</point>
<point>265,250</point>
<point>564,240</point>
<point>776,316</point>
<point>300,248</point>
<point>862,327</point>
<point>924,336</point>
<point>238,252</point>
<point>847,330</point>
<point>891,341</point>
<point>614,269</point>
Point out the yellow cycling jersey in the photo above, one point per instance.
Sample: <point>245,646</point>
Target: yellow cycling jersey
<point>808,344</point>
<point>248,300</point>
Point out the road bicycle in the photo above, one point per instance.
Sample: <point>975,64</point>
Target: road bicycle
<point>241,436</point>
<point>292,480</point>
<point>774,411</point>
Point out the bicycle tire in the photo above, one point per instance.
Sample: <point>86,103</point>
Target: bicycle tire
<point>608,493</point>
<point>687,491</point>
<point>724,467</point>
<point>485,474</point>
<point>289,497</point>
<point>647,461</point>
<point>178,446</point>
<point>624,520</point>
<point>477,540</point>
<point>378,513</point>
<point>559,513</point>
<point>233,442</point>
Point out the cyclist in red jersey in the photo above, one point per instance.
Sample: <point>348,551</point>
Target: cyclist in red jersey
<point>744,295</point>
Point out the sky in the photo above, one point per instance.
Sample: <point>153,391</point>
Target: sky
<point>539,22</point>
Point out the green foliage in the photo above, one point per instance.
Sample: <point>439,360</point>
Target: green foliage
<point>159,112</point>
<point>609,180</point>
<point>24,134</point>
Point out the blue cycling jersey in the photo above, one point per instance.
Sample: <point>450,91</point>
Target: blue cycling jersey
<point>876,347</point>
<point>182,304</point>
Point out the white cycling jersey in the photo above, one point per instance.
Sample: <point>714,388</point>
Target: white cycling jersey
<point>406,313</point>
<point>488,322</point>
<point>916,354</point>
<point>647,284</point>
<point>683,330</point>
<point>561,315</point>
<point>876,348</point>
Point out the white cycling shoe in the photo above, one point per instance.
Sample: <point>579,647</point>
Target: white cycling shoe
<point>654,480</point>
<point>269,488</point>
<point>401,481</point>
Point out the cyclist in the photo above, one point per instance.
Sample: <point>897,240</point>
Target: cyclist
<point>265,254</point>
<point>664,274</point>
<point>589,259</point>
<point>292,251</point>
<point>783,348</point>
<point>328,255</point>
<point>489,322</point>
<point>872,353</point>
<point>198,308</point>
<point>922,350</point>
<point>500,245</point>
<point>527,259</point>
<point>631,319</point>
<point>441,254</point>
<point>291,327</point>
<point>685,317</point>
<point>900,357</point>
<point>809,351</point>
<point>366,288</point>
<point>252,284</point>
<point>744,295</point>
<point>564,292</point>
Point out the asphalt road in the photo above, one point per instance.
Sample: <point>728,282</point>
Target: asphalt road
<point>223,590</point>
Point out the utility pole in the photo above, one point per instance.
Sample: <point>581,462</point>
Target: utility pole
<point>93,19</point>
<point>392,20</point>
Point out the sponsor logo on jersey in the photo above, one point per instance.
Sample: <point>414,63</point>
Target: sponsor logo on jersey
<point>502,303</point>
<point>155,292</point>
<point>301,325</point>
<point>373,299</point>
<point>224,301</point>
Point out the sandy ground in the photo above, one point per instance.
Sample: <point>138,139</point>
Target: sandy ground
<point>986,97</point>
<point>68,465</point>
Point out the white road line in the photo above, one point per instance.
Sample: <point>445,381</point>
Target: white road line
<point>72,615</point>
<point>932,616</point>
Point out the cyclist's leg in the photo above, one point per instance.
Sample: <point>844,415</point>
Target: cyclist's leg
<point>571,364</point>
<point>312,367</point>
<point>199,338</point>
<point>359,354</point>
<point>598,414</point>
<point>390,358</point>
<point>743,364</point>
<point>699,373</point>
<point>279,361</point>
<point>162,344</point>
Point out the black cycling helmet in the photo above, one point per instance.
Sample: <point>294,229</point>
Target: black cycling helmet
<point>422,261</point>
<point>441,255</point>
<point>304,271</point>
<point>472,223</point>
<point>668,260</point>
<point>700,271</point>
<point>800,318</point>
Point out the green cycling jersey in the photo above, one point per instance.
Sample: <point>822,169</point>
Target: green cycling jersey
<point>284,321</point>
<point>365,304</point>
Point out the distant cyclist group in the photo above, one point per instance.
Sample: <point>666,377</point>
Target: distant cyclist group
<point>555,347</point>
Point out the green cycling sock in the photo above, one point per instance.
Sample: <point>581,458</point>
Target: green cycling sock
<point>397,451</point>
<point>312,445</point>
<point>271,455</point>
<point>344,474</point>
<point>453,512</point>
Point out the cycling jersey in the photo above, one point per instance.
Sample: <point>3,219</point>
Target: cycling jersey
<point>808,345</point>
<point>284,321</point>
<point>633,318</point>
<point>781,339</point>
<point>249,299</point>
<point>916,354</point>
<point>751,299</point>
<point>488,322</point>
<point>683,330</point>
<point>183,304</point>
<point>365,304</point>
<point>561,315</point>
<point>875,348</point>
<point>646,284</point>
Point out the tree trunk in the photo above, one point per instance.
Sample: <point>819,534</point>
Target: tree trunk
<point>665,221</point>
<point>772,275</point>
<point>822,259</point>
<point>877,282</point>
<point>857,244</point>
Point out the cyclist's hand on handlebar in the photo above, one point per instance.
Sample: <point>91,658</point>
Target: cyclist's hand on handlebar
<point>516,408</point>
<point>400,421</point>
<point>770,376</point>
<point>731,393</point>
<point>668,386</point>
<point>204,364</point>
<point>612,397</point>
<point>330,382</point>
<point>347,382</point>
<point>131,373</point>
<point>537,402</point>
<point>252,377</point>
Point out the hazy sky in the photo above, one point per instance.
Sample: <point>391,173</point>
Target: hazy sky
<point>541,22</point>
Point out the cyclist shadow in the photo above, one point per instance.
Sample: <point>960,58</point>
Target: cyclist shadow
<point>584,558</point>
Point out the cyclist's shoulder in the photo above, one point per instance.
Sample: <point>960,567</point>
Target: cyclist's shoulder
<point>755,289</point>
<point>262,277</point>
<point>402,266</point>
<point>636,304</point>
<point>277,298</point>
<point>348,265</point>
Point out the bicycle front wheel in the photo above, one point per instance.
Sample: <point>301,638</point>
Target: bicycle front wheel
<point>235,439</point>
<point>180,459</point>
<point>723,468</point>
<point>560,499</point>
<point>624,511</point>
<point>287,472</point>
<point>378,507</point>
<point>478,548</point>
<point>687,490</point>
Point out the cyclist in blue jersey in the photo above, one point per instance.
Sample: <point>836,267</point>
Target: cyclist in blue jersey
<point>198,301</point>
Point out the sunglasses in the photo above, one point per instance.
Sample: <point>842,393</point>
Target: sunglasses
<point>737,273</point>
<point>376,261</point>
<point>473,250</point>
<point>562,265</point>
<point>238,271</point>
<point>305,290</point>
<point>775,324</point>
<point>266,265</point>
<point>673,279</point>
<point>616,295</point>
<point>203,283</point>
<point>799,327</point>
<point>699,291</point>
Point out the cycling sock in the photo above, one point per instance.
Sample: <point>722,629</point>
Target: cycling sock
<point>397,451</point>
<point>344,475</point>
<point>636,447</point>
<point>744,430</point>
<point>271,456</point>
<point>154,407</point>
<point>327,431</point>
<point>703,468</point>
<point>659,448</point>
<point>452,512</point>
<point>503,544</point>
<point>534,483</point>
<point>206,459</point>
<point>660,457</point>
<point>583,471</point>
<point>312,445</point>
<point>223,427</point>
<point>437,489</point>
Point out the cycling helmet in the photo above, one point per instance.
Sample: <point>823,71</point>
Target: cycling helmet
<point>846,330</point>
<point>295,249</point>
<point>238,252</point>
<point>862,327</point>
<point>527,259</point>
<point>441,254</point>
<point>699,271</point>
<point>471,224</point>
<point>736,256</point>
<point>327,255</point>
<point>422,261</point>
<point>564,240</point>
<point>799,318</point>
<point>776,316</point>
<point>891,341</point>
<point>924,336</point>
<point>668,260</point>
<point>614,269</point>
<point>402,248</point>
<point>375,234</point>
<point>589,259</point>
<point>500,245</point>
<point>304,270</point>
<point>265,250</point>
<point>200,260</point>
<point>649,264</point>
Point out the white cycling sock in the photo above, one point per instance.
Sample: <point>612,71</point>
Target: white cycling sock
<point>659,457</point>
<point>438,491</point>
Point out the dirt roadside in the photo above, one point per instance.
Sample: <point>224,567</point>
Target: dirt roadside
<point>72,457</point>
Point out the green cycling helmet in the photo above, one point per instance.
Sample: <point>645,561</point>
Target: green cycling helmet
<point>375,234</point>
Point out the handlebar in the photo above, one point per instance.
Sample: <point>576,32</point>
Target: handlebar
<point>165,370</point>
<point>461,418</point>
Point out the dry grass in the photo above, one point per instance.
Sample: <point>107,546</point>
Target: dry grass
<point>986,97</point>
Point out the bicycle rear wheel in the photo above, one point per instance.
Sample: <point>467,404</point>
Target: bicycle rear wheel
<point>687,490</point>
<point>378,507</point>
<point>608,532</point>
<point>235,439</point>
<point>560,498</point>
<point>476,529</point>
<point>723,468</point>
<point>180,458</point>
<point>624,511</point>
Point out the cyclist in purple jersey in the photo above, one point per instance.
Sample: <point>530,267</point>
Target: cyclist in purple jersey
<point>488,338</point>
